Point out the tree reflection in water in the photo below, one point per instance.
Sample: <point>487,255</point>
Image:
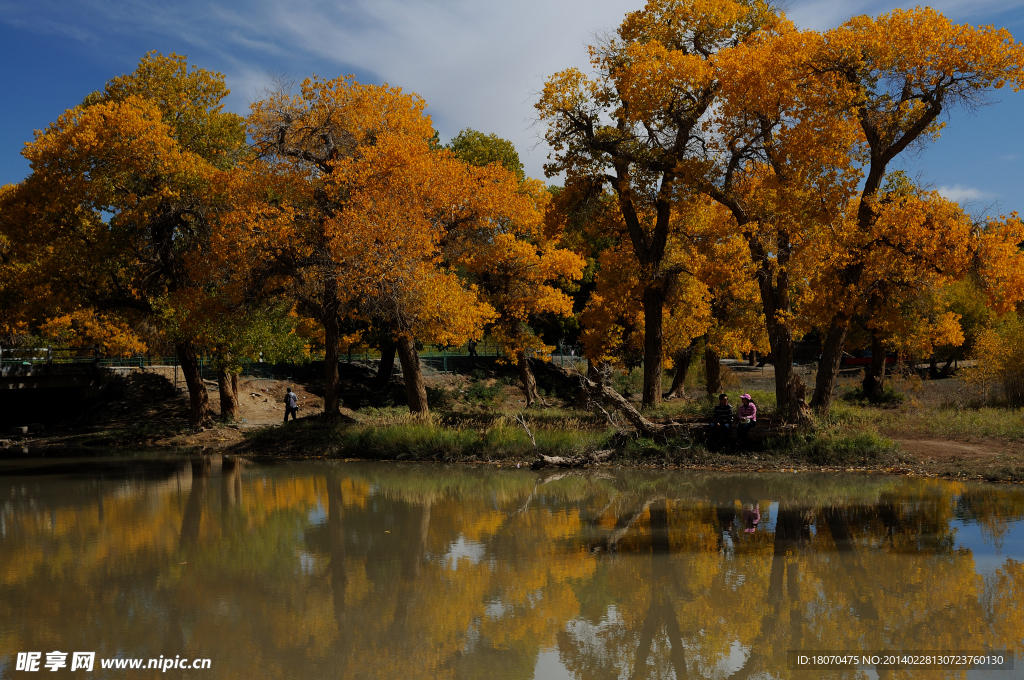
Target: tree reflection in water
<point>384,571</point>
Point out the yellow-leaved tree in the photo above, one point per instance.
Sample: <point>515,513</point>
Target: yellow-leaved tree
<point>781,162</point>
<point>124,189</point>
<point>517,262</point>
<point>336,211</point>
<point>638,127</point>
<point>354,211</point>
<point>894,75</point>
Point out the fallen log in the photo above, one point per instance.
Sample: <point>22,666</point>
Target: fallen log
<point>604,393</point>
<point>573,461</point>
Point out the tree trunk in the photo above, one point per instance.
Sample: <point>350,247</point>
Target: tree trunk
<point>336,544</point>
<point>774,288</point>
<point>713,370</point>
<point>603,393</point>
<point>752,359</point>
<point>874,376</point>
<point>654,300</point>
<point>828,367</point>
<point>415,389</point>
<point>529,381</point>
<point>683,358</point>
<point>332,384</point>
<point>230,488</point>
<point>193,515</point>
<point>387,364</point>
<point>789,389</point>
<point>199,402</point>
<point>227,384</point>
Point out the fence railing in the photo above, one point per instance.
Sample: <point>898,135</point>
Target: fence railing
<point>48,355</point>
<point>435,358</point>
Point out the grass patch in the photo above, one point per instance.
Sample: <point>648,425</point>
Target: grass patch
<point>1002,423</point>
<point>440,398</point>
<point>836,446</point>
<point>420,440</point>
<point>946,422</point>
<point>1005,473</point>
<point>672,451</point>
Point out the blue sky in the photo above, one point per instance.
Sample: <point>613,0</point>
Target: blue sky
<point>477,64</point>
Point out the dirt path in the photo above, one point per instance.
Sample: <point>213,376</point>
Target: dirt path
<point>944,450</point>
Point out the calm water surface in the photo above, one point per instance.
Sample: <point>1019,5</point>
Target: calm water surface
<point>357,570</point>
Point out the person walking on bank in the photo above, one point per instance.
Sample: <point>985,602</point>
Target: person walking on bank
<point>747,414</point>
<point>291,404</point>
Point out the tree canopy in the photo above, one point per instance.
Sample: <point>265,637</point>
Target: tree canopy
<point>729,186</point>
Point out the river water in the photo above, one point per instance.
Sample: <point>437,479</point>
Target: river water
<point>360,570</point>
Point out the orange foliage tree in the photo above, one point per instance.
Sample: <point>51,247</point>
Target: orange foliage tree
<point>921,243</point>
<point>334,213</point>
<point>780,161</point>
<point>354,210</point>
<point>516,264</point>
<point>894,75</point>
<point>638,127</point>
<point>708,302</point>
<point>123,190</point>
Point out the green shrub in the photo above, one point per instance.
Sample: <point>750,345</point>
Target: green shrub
<point>439,398</point>
<point>479,392</point>
<point>888,397</point>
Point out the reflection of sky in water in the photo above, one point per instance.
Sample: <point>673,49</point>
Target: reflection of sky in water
<point>768,518</point>
<point>989,554</point>
<point>317,515</point>
<point>462,549</point>
<point>550,667</point>
<point>307,562</point>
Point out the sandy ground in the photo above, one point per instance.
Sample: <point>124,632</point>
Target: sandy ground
<point>951,450</point>
<point>150,411</point>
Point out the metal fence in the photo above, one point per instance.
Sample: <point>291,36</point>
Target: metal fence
<point>442,360</point>
<point>47,355</point>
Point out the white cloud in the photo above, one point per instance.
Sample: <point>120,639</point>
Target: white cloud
<point>476,64</point>
<point>963,194</point>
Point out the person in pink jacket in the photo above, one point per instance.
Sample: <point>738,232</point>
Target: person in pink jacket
<point>746,414</point>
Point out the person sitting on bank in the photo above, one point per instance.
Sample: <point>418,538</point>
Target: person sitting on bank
<point>722,418</point>
<point>747,415</point>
